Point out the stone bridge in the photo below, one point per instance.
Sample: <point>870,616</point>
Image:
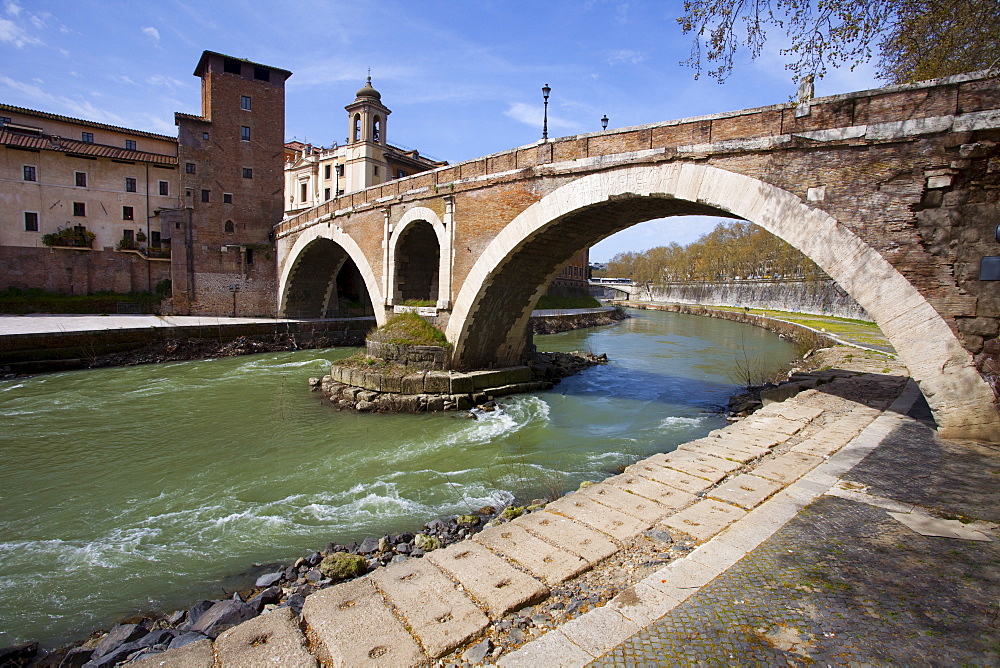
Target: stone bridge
<point>892,192</point>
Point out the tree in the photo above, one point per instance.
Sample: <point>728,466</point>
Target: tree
<point>914,39</point>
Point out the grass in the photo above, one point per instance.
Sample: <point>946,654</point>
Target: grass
<point>409,329</point>
<point>553,302</point>
<point>34,300</point>
<point>417,302</point>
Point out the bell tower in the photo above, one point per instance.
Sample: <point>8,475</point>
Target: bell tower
<point>366,133</point>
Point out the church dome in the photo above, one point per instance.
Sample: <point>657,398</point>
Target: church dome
<point>368,91</point>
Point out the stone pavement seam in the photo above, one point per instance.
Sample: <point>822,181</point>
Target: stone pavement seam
<point>740,538</point>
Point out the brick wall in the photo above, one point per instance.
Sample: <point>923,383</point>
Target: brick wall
<point>79,272</point>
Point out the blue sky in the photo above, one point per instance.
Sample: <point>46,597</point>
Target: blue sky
<point>463,79</point>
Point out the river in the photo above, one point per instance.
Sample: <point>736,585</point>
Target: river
<point>144,488</point>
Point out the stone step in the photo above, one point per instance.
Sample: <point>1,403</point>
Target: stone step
<point>670,477</point>
<point>616,498</point>
<point>603,518</point>
<point>725,449</point>
<point>439,615</point>
<point>570,535</point>
<point>351,625</point>
<point>746,491</point>
<point>545,561</point>
<point>787,468</point>
<point>492,581</point>
<point>705,518</point>
<point>665,495</point>
<point>272,639</point>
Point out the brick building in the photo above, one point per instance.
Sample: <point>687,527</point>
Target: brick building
<point>231,161</point>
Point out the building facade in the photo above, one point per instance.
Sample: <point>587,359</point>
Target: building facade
<point>230,161</point>
<point>315,174</point>
<point>81,204</point>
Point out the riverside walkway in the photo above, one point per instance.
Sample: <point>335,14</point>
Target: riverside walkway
<point>833,527</point>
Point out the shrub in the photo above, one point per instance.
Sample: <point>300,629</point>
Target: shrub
<point>409,329</point>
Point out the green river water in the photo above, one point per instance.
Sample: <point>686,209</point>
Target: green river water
<point>145,488</point>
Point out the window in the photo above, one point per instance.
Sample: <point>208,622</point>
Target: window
<point>4,120</point>
<point>376,129</point>
<point>261,74</point>
<point>30,221</point>
<point>245,133</point>
<point>205,195</point>
<point>357,127</point>
<point>129,184</point>
<point>247,173</point>
<point>130,144</point>
<point>80,179</point>
<point>154,239</point>
<point>164,187</point>
<point>232,66</point>
<point>326,194</point>
<point>376,170</point>
<point>245,102</point>
<point>340,170</point>
<point>326,172</point>
<point>29,173</point>
<point>204,135</point>
<point>249,256</point>
<point>400,173</point>
<point>128,236</point>
<point>128,213</point>
<point>304,192</point>
<point>87,138</point>
<point>79,209</point>
<point>230,228</point>
<point>227,198</point>
<point>189,168</point>
<point>340,192</point>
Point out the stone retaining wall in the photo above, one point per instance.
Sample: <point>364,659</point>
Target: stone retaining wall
<point>418,357</point>
<point>428,382</point>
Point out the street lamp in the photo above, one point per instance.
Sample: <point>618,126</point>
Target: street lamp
<point>604,122</point>
<point>545,122</point>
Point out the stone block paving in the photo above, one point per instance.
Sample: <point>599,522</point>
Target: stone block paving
<point>843,583</point>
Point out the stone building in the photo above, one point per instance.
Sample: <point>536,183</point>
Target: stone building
<point>314,174</point>
<point>81,204</point>
<point>231,163</point>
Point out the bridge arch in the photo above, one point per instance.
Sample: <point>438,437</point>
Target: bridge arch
<point>309,275</point>
<point>419,222</point>
<point>489,322</point>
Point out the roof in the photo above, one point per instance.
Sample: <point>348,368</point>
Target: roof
<point>65,145</point>
<point>79,121</point>
<point>199,70</point>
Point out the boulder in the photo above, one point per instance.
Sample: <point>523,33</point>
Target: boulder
<point>185,639</point>
<point>369,545</point>
<point>268,579</point>
<point>197,610</point>
<point>266,597</point>
<point>223,616</point>
<point>16,654</point>
<point>118,636</point>
<point>341,565</point>
<point>426,543</point>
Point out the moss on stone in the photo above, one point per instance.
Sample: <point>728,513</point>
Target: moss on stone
<point>342,565</point>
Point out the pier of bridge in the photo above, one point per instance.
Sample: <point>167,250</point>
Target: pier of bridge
<point>893,192</point>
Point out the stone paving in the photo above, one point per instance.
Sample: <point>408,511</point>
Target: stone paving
<point>845,583</point>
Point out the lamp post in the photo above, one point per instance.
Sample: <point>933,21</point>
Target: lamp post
<point>545,121</point>
<point>604,122</point>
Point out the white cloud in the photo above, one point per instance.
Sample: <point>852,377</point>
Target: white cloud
<point>162,81</point>
<point>533,115</point>
<point>13,34</point>
<point>625,56</point>
<point>151,33</point>
<point>58,103</point>
<point>12,8</point>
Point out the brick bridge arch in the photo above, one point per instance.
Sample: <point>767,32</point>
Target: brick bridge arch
<point>893,192</point>
<point>490,319</point>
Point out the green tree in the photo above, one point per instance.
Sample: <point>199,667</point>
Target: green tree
<point>913,39</point>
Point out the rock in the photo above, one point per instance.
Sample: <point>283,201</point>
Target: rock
<point>398,559</point>
<point>405,537</point>
<point>16,654</point>
<point>404,548</point>
<point>193,655</point>
<point>587,483</point>
<point>222,616</point>
<point>487,510</point>
<point>468,520</point>
<point>176,617</point>
<point>368,546</point>
<point>341,565</point>
<point>477,653</point>
<point>540,619</point>
<point>266,597</point>
<point>118,636</point>
<point>295,602</point>
<point>426,543</point>
<point>512,512</point>
<point>158,637</point>
<point>76,657</point>
<point>314,558</point>
<point>314,576</point>
<point>197,610</point>
<point>516,636</point>
<point>435,525</point>
<point>384,545</point>
<point>365,406</point>
<point>659,535</point>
